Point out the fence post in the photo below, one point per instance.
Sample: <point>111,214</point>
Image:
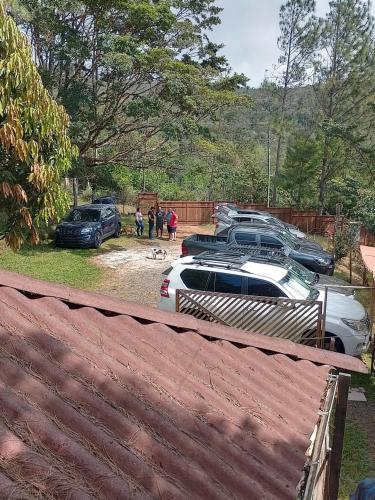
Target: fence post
<point>338,436</point>
<point>177,300</point>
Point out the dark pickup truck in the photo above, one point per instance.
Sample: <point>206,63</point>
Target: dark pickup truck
<point>309,254</point>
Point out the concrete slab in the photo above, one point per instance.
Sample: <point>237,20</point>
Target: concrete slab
<point>357,394</point>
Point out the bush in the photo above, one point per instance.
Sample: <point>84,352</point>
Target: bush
<point>345,240</point>
<point>365,210</point>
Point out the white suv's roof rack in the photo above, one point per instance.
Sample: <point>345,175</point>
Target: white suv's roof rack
<point>239,255</point>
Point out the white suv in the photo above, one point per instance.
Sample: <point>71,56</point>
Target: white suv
<point>346,320</point>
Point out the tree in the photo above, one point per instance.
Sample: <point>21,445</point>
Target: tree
<point>295,27</point>
<point>344,88</point>
<point>300,170</point>
<point>133,75</point>
<point>365,210</point>
<point>35,151</point>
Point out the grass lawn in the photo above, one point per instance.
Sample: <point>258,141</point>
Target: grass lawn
<point>356,461</point>
<point>69,266</point>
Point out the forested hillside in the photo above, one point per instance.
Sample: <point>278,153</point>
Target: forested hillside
<point>154,106</point>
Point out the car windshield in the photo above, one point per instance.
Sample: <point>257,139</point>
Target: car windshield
<point>301,273</point>
<point>275,221</point>
<point>297,288</point>
<point>289,238</point>
<point>83,215</point>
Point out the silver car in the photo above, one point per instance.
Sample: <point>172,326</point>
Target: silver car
<point>226,218</point>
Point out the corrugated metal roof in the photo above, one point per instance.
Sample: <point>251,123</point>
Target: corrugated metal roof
<point>119,406</point>
<point>177,321</point>
<point>368,257</point>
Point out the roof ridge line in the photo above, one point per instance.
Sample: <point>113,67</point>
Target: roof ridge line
<point>176,320</point>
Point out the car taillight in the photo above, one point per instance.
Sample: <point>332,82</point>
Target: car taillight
<point>184,250</point>
<point>164,288</point>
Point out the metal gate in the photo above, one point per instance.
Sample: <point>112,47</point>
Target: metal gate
<point>297,320</point>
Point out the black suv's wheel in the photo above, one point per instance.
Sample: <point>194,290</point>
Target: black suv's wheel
<point>97,239</point>
<point>118,231</point>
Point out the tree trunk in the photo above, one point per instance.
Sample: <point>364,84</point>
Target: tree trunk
<point>323,177</point>
<point>277,170</point>
<point>75,191</point>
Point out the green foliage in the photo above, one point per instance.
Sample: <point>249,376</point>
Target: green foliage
<point>344,61</point>
<point>35,151</point>
<point>300,171</point>
<point>133,75</point>
<point>345,192</point>
<point>365,209</point>
<point>357,463</point>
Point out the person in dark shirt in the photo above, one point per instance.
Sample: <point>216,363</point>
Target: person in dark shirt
<point>160,216</point>
<point>151,223</point>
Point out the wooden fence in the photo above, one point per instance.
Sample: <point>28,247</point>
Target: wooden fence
<point>196,213</point>
<point>300,321</point>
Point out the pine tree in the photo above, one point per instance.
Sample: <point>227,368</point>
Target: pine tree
<point>344,87</point>
<point>295,25</point>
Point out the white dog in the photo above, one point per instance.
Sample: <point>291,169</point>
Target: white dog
<point>158,251</point>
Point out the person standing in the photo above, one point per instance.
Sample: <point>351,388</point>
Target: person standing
<point>151,223</point>
<point>173,226</point>
<point>139,222</point>
<point>160,216</point>
<point>168,220</point>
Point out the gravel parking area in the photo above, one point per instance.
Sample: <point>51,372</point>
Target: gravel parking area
<point>132,273</point>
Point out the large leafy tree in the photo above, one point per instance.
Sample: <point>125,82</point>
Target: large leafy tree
<point>35,150</point>
<point>133,74</point>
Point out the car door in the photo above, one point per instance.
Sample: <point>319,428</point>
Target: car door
<point>259,313</point>
<point>246,238</point>
<point>262,288</point>
<point>195,279</point>
<point>222,282</point>
<point>271,242</point>
<point>109,221</point>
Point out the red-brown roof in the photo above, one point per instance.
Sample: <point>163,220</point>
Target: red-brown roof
<point>368,257</point>
<point>95,403</point>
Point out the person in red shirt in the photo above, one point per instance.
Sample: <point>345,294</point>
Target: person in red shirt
<point>172,226</point>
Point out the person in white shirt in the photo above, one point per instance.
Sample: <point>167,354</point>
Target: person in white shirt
<point>139,222</point>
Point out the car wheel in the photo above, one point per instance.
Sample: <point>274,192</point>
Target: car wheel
<point>338,347</point>
<point>97,239</point>
<point>118,231</point>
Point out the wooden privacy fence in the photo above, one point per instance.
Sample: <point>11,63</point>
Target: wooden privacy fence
<point>196,213</point>
<point>300,321</point>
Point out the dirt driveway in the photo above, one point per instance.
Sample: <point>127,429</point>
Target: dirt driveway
<point>132,273</point>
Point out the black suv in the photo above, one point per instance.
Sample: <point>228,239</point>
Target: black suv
<point>105,200</point>
<point>87,226</point>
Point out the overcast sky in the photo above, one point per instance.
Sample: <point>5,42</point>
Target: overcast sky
<point>249,31</point>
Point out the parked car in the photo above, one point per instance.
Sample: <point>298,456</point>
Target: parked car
<point>305,242</point>
<point>224,221</point>
<point>313,258</point>
<point>267,255</point>
<point>88,226</point>
<point>225,214</point>
<point>346,320</point>
<point>104,200</point>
